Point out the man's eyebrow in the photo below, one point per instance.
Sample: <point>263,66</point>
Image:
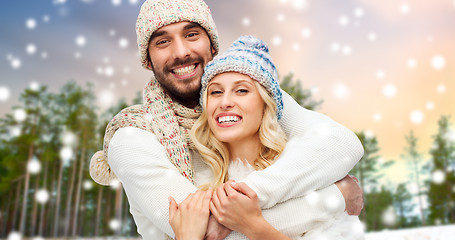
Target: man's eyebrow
<point>157,33</point>
<point>191,25</point>
<point>188,26</point>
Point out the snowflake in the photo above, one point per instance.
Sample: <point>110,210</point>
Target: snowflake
<point>377,117</point>
<point>246,21</point>
<point>404,8</point>
<point>34,86</point>
<point>358,12</point>
<point>438,62</point>
<point>30,23</point>
<point>341,91</point>
<point>114,224</point>
<point>412,63</point>
<point>4,94</point>
<point>343,20</point>
<point>123,43</point>
<point>20,115</point>
<point>30,49</point>
<point>34,166</point>
<point>16,63</point>
<point>430,105</point>
<point>416,116</point>
<point>389,90</point>
<point>441,88</point>
<point>80,41</point>
<point>116,2</point>
<point>42,196</point>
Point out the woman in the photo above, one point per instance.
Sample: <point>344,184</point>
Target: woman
<point>238,133</point>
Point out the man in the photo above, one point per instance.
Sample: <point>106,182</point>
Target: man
<point>150,151</point>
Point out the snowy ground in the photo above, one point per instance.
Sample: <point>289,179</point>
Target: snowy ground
<point>446,232</point>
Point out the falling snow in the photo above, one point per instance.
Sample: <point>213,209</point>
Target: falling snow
<point>372,37</point>
<point>42,196</point>
<point>438,62</point>
<point>412,63</point>
<point>389,90</point>
<point>430,105</point>
<point>438,176</point>
<point>4,94</point>
<point>404,8</point>
<point>116,2</point>
<point>20,115</point>
<point>30,23</point>
<point>34,166</point>
<point>30,49</point>
<point>343,20</point>
<point>358,12</point>
<point>416,117</point>
<point>441,88</point>
<point>340,91</point>
<point>123,43</point>
<point>246,21</point>
<point>80,41</point>
<point>306,32</point>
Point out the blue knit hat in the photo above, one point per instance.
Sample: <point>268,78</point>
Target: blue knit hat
<point>250,56</point>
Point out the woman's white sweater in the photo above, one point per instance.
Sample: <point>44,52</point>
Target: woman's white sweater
<point>319,153</point>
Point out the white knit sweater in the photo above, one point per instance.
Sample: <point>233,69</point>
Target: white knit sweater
<point>319,152</point>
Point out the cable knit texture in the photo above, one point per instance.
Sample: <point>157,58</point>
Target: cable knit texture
<point>168,120</point>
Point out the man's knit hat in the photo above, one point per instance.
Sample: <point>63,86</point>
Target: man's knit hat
<point>250,56</point>
<point>158,13</point>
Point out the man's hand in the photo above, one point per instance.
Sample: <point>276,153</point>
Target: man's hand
<point>216,231</point>
<point>352,193</point>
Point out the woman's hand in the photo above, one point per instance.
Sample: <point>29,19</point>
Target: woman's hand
<point>189,219</point>
<point>236,206</point>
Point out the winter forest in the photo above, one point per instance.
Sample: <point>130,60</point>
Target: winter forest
<point>384,69</point>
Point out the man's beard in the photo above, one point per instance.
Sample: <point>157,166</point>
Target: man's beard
<point>173,89</point>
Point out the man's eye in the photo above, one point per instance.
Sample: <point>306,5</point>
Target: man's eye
<point>193,34</point>
<point>161,42</point>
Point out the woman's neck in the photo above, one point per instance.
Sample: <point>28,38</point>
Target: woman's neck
<point>245,150</point>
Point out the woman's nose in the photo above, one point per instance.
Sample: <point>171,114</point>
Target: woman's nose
<point>227,101</point>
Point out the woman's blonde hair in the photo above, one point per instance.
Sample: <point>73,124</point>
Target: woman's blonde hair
<point>215,154</point>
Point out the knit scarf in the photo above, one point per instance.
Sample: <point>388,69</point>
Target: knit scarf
<point>170,121</point>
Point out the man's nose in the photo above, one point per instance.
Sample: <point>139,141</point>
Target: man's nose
<point>181,49</point>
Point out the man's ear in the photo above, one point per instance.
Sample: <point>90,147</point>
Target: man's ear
<point>213,50</point>
<point>149,64</point>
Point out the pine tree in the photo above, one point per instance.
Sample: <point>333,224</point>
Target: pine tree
<point>440,188</point>
<point>300,95</point>
<point>379,209</point>
<point>402,200</point>
<point>367,169</point>
<point>414,160</point>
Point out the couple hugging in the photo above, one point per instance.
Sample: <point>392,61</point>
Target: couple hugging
<point>217,150</point>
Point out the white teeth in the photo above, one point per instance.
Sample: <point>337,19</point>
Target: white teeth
<point>228,119</point>
<point>184,70</point>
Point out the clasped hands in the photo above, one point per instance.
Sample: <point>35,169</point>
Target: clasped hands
<point>234,207</point>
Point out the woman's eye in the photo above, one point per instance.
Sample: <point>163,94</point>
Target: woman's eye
<point>242,90</point>
<point>215,92</point>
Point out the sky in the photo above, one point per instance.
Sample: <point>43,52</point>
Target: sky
<point>383,67</point>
